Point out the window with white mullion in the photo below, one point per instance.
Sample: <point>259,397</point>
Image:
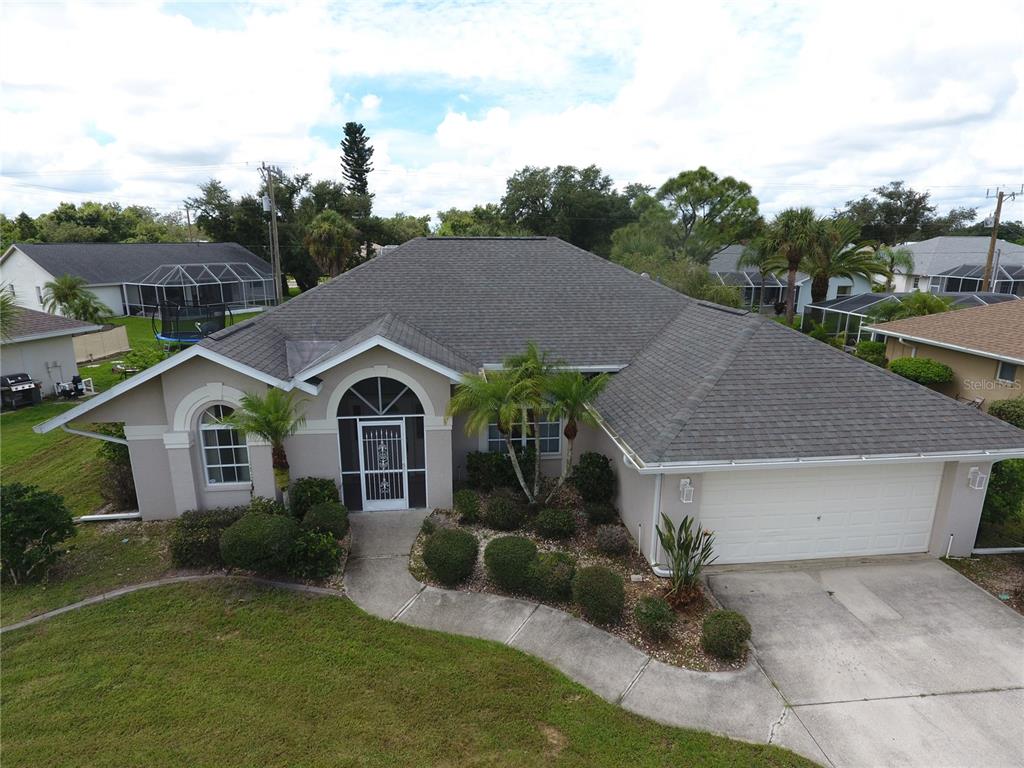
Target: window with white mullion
<point>225,454</point>
<point>550,436</point>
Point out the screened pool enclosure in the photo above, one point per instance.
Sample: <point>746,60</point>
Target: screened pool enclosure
<point>235,285</point>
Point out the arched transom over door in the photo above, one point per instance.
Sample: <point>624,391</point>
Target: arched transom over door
<point>383,451</point>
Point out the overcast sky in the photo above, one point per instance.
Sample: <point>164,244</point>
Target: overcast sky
<point>810,103</point>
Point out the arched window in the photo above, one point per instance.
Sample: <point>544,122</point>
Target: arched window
<point>225,455</point>
<point>383,446</point>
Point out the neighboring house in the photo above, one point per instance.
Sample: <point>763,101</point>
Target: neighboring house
<point>785,447</point>
<point>849,314</point>
<point>957,265</point>
<point>983,345</point>
<point>42,345</point>
<point>134,278</point>
<point>725,266</point>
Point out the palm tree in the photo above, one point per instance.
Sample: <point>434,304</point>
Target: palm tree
<point>571,393</point>
<point>68,295</point>
<point>835,255</point>
<point>755,256</point>
<point>531,370</point>
<point>331,240</point>
<point>493,398</point>
<point>790,238</point>
<point>273,417</point>
<point>896,259</point>
<point>913,305</point>
<point>9,311</point>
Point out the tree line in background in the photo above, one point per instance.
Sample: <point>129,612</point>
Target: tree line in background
<point>671,232</point>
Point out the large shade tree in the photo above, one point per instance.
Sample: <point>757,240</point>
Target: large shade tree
<point>895,213</point>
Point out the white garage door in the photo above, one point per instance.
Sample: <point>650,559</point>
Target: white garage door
<point>758,516</point>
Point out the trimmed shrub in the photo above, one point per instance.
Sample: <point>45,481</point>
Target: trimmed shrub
<point>655,617</point>
<point>600,592</point>
<point>264,506</point>
<point>33,523</point>
<point>327,517</point>
<point>258,542</point>
<point>450,555</point>
<point>467,505</point>
<point>594,478</point>
<point>612,539</point>
<point>314,555</point>
<point>1005,495</point>
<point>307,491</point>
<point>487,470</point>
<point>724,634</point>
<point>871,352</point>
<point>508,560</point>
<point>551,576</point>
<point>555,523</point>
<point>503,513</point>
<point>195,536</point>
<point>1010,410</point>
<point>923,370</point>
<point>601,514</point>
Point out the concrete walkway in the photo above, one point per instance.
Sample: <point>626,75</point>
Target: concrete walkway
<point>742,705</point>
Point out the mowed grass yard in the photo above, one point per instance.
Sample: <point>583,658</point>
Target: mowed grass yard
<point>59,462</point>
<point>231,674</point>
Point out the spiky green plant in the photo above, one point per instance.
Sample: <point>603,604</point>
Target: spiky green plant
<point>688,550</point>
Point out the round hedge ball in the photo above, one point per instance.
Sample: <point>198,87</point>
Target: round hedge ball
<point>509,560</point>
<point>600,593</point>
<point>259,542</point>
<point>724,634</point>
<point>450,555</point>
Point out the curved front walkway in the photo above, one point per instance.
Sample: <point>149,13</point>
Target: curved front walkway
<point>742,705</point>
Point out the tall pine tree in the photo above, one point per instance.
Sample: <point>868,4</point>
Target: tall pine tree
<point>356,164</point>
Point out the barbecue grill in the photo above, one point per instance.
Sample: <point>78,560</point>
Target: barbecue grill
<point>18,389</point>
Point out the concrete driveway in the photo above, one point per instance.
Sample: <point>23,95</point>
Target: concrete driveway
<point>888,662</point>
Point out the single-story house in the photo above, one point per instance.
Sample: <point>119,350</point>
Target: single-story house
<point>785,447</point>
<point>725,266</point>
<point>952,264</point>
<point>135,278</point>
<point>42,345</point>
<point>983,345</point>
<point>850,314</point>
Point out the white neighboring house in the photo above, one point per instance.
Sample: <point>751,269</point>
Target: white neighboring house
<point>952,264</point>
<point>725,266</point>
<point>42,345</point>
<point>134,278</point>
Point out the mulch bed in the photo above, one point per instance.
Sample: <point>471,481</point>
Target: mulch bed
<point>682,648</point>
<point>1002,575</point>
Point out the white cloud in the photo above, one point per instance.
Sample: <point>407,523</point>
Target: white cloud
<point>812,103</point>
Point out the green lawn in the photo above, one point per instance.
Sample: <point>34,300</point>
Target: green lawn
<point>230,674</point>
<point>101,557</point>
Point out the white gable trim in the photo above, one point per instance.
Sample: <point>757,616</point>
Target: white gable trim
<point>379,341</point>
<point>160,368</point>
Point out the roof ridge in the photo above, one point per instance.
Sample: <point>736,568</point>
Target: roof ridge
<point>752,324</point>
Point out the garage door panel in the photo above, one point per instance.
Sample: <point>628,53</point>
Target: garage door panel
<point>821,512</point>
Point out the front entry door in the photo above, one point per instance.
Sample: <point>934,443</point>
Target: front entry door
<point>382,464</point>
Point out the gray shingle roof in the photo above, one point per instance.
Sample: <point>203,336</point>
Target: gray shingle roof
<point>939,254</point>
<point>30,323</point>
<point>105,263</point>
<point>703,383</point>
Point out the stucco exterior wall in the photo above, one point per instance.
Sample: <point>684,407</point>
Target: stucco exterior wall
<point>111,296</point>
<point>973,376</point>
<point>141,406</point>
<point>153,480</point>
<point>48,360</point>
<point>958,511</point>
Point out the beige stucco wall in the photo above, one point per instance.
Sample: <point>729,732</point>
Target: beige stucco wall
<point>143,405</point>
<point>973,376</point>
<point>958,510</point>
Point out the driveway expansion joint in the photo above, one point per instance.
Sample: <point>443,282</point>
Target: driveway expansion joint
<point>409,603</point>
<point>514,635</point>
<point>634,681</point>
<point>935,694</point>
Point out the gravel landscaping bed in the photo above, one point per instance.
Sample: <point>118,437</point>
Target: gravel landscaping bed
<point>1002,575</point>
<point>683,646</point>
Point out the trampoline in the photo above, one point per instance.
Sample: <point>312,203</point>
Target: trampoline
<point>181,325</point>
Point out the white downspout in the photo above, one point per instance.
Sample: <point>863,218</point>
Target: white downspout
<point>94,435</point>
<point>659,570</point>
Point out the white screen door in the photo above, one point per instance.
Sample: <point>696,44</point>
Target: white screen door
<point>382,464</point>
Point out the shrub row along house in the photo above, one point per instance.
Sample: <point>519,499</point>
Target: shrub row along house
<point>785,447</point>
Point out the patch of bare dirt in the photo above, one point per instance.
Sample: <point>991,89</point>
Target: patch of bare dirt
<point>1001,575</point>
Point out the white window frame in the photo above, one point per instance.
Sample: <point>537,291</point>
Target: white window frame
<point>238,443</point>
<point>496,444</point>
<point>999,372</point>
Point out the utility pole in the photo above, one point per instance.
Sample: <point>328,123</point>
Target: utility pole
<point>275,247</point>
<point>986,281</point>
<point>188,218</point>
